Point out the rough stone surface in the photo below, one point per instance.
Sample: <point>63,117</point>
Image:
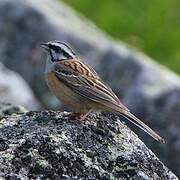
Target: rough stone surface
<point>53,145</point>
<point>15,90</point>
<point>7,109</point>
<point>148,89</point>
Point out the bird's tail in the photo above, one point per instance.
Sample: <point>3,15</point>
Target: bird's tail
<point>128,115</point>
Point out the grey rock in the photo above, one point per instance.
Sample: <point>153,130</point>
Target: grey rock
<point>15,90</point>
<point>7,109</point>
<point>53,145</point>
<point>148,89</point>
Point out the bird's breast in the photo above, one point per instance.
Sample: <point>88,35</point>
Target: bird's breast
<point>60,90</point>
<point>67,96</point>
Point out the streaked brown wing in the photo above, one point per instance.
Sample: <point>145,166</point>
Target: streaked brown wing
<point>86,82</point>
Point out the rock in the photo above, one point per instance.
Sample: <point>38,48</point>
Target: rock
<point>148,89</point>
<point>7,109</point>
<point>15,90</point>
<point>52,145</point>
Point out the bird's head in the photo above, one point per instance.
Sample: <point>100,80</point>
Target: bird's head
<point>58,50</point>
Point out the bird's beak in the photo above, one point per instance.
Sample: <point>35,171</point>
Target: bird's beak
<point>45,46</point>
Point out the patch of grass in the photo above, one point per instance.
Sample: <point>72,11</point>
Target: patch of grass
<point>151,26</point>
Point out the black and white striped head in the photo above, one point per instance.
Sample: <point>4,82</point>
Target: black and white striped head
<point>58,50</point>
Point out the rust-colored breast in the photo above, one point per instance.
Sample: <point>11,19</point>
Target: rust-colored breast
<point>53,82</point>
<point>61,91</point>
<point>67,96</point>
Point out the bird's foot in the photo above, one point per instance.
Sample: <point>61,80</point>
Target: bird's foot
<point>84,116</point>
<point>80,116</point>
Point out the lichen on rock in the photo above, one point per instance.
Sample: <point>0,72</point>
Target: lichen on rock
<point>49,144</point>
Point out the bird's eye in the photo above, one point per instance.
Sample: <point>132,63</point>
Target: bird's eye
<point>65,54</point>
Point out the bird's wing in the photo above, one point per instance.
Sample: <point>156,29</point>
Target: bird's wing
<point>85,81</point>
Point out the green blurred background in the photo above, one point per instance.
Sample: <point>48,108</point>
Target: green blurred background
<point>152,26</point>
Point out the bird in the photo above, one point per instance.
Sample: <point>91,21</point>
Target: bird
<point>77,85</point>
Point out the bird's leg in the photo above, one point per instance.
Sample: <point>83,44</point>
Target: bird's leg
<point>83,117</point>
